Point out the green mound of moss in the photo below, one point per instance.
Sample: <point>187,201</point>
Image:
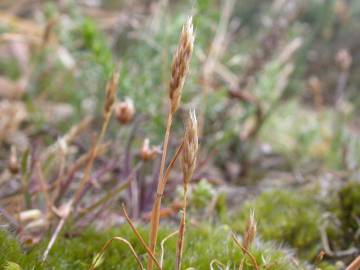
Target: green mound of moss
<point>349,214</point>
<point>11,253</point>
<point>343,231</point>
<point>203,245</point>
<point>287,217</point>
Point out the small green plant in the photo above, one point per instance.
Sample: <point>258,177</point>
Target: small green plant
<point>287,217</point>
<point>201,194</point>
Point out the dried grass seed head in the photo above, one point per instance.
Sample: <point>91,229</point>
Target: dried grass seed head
<point>343,59</point>
<point>250,231</point>
<point>110,92</point>
<point>180,64</point>
<point>190,147</point>
<point>314,84</point>
<point>14,165</point>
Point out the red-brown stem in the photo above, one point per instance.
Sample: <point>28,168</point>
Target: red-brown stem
<point>181,239</point>
<point>355,265</point>
<point>137,234</point>
<point>245,251</point>
<point>155,214</point>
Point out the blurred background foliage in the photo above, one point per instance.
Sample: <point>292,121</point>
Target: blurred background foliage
<point>299,119</point>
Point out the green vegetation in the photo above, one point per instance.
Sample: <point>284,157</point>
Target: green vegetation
<point>204,244</point>
<point>287,217</point>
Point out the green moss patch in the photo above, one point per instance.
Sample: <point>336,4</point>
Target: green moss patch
<point>203,245</point>
<point>290,218</point>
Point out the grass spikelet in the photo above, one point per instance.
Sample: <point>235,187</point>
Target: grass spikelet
<point>249,236</point>
<point>245,251</point>
<point>190,148</point>
<point>180,64</point>
<point>250,232</point>
<point>189,154</point>
<point>110,93</point>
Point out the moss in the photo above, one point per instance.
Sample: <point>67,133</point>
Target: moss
<point>203,244</point>
<point>11,253</point>
<point>286,217</point>
<point>349,212</point>
<point>326,266</point>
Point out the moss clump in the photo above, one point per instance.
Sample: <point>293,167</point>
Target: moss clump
<point>349,213</point>
<point>203,244</point>
<point>11,253</point>
<point>287,217</point>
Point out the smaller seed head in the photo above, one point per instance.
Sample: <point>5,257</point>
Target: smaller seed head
<point>110,92</point>
<point>125,111</point>
<point>190,147</point>
<point>343,59</point>
<point>180,64</point>
<point>146,152</point>
<point>13,165</point>
<point>250,232</point>
<point>314,84</point>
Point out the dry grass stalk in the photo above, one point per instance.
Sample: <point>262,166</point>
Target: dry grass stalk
<point>48,31</point>
<point>250,233</point>
<point>355,265</point>
<point>67,138</point>
<point>189,155</point>
<point>245,251</point>
<point>112,193</point>
<point>65,180</point>
<point>108,106</point>
<point>44,187</point>
<point>137,234</point>
<point>179,69</point>
<point>217,263</point>
<point>107,245</point>
<point>162,246</point>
